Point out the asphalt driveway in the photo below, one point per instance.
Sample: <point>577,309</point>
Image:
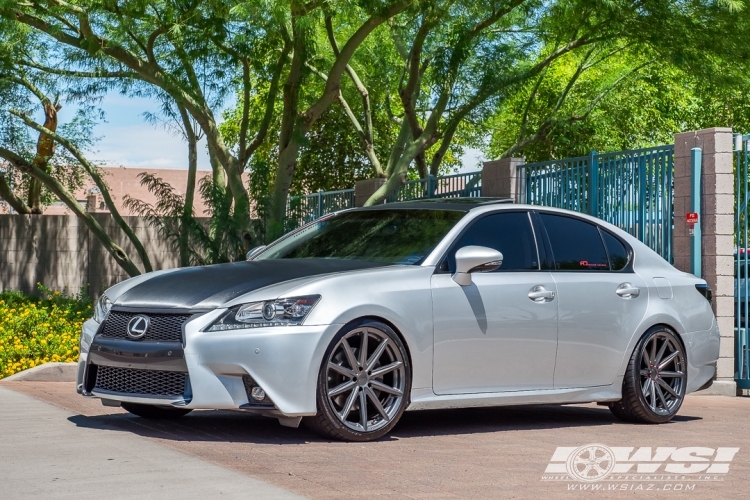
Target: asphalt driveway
<point>471,453</point>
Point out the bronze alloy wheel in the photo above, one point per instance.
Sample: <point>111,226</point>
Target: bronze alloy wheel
<point>363,384</point>
<point>654,385</point>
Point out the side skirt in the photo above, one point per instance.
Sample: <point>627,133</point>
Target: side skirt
<point>425,399</point>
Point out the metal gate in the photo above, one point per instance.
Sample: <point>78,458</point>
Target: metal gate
<point>741,259</point>
<point>630,189</point>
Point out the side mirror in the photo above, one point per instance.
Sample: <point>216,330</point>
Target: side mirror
<point>255,251</point>
<point>474,259</point>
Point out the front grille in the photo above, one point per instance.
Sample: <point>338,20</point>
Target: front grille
<point>163,327</point>
<point>140,382</point>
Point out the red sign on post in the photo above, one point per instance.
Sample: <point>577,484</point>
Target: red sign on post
<point>691,217</point>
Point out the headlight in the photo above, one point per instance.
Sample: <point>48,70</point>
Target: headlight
<point>102,307</point>
<point>281,312</point>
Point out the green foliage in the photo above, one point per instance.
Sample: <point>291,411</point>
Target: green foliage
<point>36,330</point>
<point>621,103</point>
<point>208,243</point>
<point>543,79</point>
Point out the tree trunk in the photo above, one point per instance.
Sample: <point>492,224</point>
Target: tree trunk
<point>45,148</point>
<point>187,210</point>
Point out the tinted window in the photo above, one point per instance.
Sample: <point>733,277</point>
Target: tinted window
<point>509,233</point>
<point>618,254</point>
<point>389,236</point>
<point>576,245</point>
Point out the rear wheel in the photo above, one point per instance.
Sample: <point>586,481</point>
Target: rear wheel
<point>154,411</point>
<point>654,385</point>
<point>363,384</point>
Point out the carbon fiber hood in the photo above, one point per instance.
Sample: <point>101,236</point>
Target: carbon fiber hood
<point>208,287</point>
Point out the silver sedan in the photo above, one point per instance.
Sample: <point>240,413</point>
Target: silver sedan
<point>351,320</point>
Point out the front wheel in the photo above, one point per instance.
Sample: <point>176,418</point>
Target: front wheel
<point>154,411</point>
<point>656,379</point>
<point>363,384</point>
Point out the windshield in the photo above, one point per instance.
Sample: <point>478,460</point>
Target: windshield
<point>398,236</point>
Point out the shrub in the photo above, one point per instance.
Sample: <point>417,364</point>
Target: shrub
<point>36,330</point>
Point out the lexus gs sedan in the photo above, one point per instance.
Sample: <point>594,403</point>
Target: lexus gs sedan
<point>363,314</point>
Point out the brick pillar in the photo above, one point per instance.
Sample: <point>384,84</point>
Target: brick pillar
<point>91,203</point>
<point>500,179</point>
<point>366,188</point>
<point>717,227</point>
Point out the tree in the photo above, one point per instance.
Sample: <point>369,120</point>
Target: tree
<point>627,96</point>
<point>168,44</point>
<point>25,90</point>
<point>462,60</point>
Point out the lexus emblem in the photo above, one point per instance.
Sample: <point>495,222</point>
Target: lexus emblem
<point>138,326</point>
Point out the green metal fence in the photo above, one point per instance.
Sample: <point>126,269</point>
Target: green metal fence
<point>306,208</point>
<point>742,258</point>
<point>630,189</point>
<point>468,185</point>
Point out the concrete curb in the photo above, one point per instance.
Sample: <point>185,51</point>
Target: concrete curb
<point>719,388</point>
<point>47,372</point>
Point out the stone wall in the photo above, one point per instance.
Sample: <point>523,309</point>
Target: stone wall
<point>61,253</point>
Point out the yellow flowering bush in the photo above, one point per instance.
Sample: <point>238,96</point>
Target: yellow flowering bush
<point>36,330</point>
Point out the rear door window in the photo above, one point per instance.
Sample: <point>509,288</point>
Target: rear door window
<point>576,244</point>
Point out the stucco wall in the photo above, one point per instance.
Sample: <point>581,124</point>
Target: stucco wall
<point>59,252</point>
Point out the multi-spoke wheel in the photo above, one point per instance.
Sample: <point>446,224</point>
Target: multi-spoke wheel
<point>363,385</point>
<point>654,385</point>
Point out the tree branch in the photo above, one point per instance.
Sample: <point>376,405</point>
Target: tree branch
<point>63,194</point>
<point>100,184</point>
<point>7,194</point>
<point>273,89</point>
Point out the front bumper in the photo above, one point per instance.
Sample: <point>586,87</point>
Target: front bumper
<point>283,361</point>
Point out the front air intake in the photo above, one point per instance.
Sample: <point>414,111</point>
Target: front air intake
<point>128,381</point>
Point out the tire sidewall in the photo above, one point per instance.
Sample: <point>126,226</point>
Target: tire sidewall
<point>324,405</point>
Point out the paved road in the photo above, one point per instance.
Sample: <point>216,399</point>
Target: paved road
<point>474,453</point>
<point>44,454</point>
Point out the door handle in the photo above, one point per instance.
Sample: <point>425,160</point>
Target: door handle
<point>541,294</point>
<point>628,291</point>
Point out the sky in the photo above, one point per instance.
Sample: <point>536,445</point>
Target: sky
<point>127,140</point>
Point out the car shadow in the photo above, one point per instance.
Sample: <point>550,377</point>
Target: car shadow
<point>229,426</point>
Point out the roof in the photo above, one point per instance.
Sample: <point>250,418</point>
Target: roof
<point>460,204</point>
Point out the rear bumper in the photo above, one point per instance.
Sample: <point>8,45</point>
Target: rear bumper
<point>283,361</point>
<point>702,355</point>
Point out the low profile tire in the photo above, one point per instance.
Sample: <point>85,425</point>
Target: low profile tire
<point>363,384</point>
<point>155,412</point>
<point>654,385</point>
